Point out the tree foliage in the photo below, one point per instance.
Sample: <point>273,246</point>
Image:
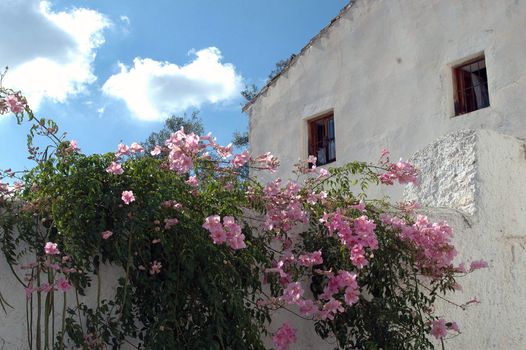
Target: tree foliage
<point>172,124</point>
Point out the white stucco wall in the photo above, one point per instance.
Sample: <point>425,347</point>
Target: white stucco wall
<point>489,219</point>
<point>13,332</point>
<point>385,68</point>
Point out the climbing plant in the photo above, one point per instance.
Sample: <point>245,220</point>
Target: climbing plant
<point>205,254</point>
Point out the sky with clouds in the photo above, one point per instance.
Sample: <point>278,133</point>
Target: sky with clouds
<point>112,71</point>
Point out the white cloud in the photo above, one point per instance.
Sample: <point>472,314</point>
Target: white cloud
<point>125,19</point>
<point>152,89</point>
<point>49,54</point>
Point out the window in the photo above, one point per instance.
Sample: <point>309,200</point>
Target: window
<point>471,86</point>
<point>321,139</point>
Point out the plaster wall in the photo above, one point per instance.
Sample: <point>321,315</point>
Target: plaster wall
<point>484,200</point>
<point>385,69</point>
<point>13,331</point>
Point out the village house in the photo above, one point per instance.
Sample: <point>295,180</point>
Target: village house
<point>440,82</point>
<point>396,74</point>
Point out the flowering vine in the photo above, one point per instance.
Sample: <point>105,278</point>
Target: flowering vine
<point>207,255</point>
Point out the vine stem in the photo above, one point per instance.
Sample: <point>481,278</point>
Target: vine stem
<point>39,307</point>
<point>98,286</point>
<point>128,265</point>
<point>63,323</point>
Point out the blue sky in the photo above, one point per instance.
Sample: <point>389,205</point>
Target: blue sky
<point>111,71</point>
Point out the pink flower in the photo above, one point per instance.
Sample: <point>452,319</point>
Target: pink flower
<point>269,161</point>
<point>352,295</point>
<point>156,150</point>
<point>63,284</point>
<point>453,326</point>
<point>14,104</point>
<point>284,337</point>
<point>237,241</point>
<point>347,279</point>
<point>477,265</point>
<point>331,308</point>
<point>223,151</point>
<point>29,291</point>
<point>311,259</point>
<point>293,293</point>
<point>402,172</point>
<point>73,146</point>
<point>168,223</point>
<point>127,197</point>
<point>323,173</point>
<point>438,328</point>
<point>240,159</point>
<point>360,206</point>
<point>46,287</point>
<point>51,248</point>
<point>228,232</point>
<point>307,307</point>
<point>136,148</point>
<point>122,150</point>
<point>115,168</point>
<point>106,234</point>
<point>192,181</point>
<point>155,267</point>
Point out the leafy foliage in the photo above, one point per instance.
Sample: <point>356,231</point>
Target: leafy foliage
<point>206,254</point>
<point>172,124</point>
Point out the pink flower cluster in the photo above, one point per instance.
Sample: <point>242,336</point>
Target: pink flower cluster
<point>183,147</point>
<point>284,207</point>
<point>346,281</point>
<point>433,241</point>
<point>356,234</point>
<point>240,159</point>
<point>51,264</point>
<point>293,293</point>
<point>51,249</point>
<point>401,172</point>
<point>267,161</point>
<point>115,168</point>
<point>439,328</point>
<point>228,232</point>
<point>73,146</point>
<point>310,259</point>
<point>11,103</point>
<point>284,337</point>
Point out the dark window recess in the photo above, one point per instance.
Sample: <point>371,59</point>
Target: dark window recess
<point>471,85</point>
<point>322,144</point>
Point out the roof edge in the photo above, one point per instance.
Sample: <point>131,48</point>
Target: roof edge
<point>295,57</point>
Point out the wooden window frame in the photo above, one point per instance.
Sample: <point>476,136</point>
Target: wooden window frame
<point>313,137</point>
<point>460,99</point>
